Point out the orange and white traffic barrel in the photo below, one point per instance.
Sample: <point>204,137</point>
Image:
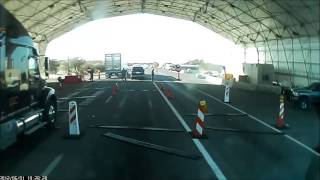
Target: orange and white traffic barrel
<point>198,131</point>
<point>280,123</point>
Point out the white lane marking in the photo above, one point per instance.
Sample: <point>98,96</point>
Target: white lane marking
<point>214,167</point>
<point>52,165</point>
<point>97,88</point>
<point>82,89</point>
<point>131,90</point>
<point>62,100</point>
<point>87,101</point>
<point>302,145</point>
<point>108,100</point>
<point>207,157</point>
<point>150,103</point>
<point>78,97</point>
<point>145,90</point>
<point>102,88</point>
<point>265,124</point>
<point>63,110</point>
<point>123,101</point>
<point>84,97</point>
<point>98,93</point>
<point>73,94</point>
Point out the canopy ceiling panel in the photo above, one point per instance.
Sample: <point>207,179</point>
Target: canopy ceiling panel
<point>242,21</point>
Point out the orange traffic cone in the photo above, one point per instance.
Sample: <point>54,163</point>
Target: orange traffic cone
<point>114,90</point>
<point>169,93</point>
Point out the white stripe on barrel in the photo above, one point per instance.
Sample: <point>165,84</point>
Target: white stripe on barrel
<point>199,129</point>
<point>281,110</point>
<point>199,126</point>
<point>227,93</point>
<point>201,115</point>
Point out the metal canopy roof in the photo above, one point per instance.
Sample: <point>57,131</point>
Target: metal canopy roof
<point>242,21</point>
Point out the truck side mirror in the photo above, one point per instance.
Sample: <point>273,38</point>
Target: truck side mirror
<point>46,65</point>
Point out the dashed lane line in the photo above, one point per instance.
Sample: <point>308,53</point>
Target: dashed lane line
<point>52,165</point>
<point>77,97</point>
<point>150,103</point>
<point>108,100</point>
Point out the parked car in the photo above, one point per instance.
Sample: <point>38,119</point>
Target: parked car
<point>306,96</point>
<point>172,68</point>
<point>137,72</point>
<point>212,73</point>
<point>201,76</point>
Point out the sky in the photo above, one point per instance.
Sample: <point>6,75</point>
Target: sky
<point>147,38</point>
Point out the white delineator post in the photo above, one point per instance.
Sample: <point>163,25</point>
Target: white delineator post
<point>74,129</point>
<point>227,93</point>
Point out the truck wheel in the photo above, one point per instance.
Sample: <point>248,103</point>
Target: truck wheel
<point>50,113</point>
<point>304,103</point>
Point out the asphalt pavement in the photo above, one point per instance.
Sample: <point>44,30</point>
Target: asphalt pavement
<point>254,151</point>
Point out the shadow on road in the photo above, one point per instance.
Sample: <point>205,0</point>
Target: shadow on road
<point>156,78</point>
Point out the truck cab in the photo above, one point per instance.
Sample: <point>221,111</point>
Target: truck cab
<point>26,102</point>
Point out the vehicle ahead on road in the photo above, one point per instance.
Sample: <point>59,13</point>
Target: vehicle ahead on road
<point>112,63</point>
<point>201,76</point>
<point>137,72</point>
<point>192,69</point>
<point>27,104</point>
<point>167,66</point>
<point>212,73</point>
<point>307,95</point>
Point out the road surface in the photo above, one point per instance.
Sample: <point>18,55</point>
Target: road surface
<point>225,154</point>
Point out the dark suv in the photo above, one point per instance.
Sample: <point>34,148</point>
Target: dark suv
<point>307,95</point>
<point>137,72</point>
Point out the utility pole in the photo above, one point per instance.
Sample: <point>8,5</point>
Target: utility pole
<point>68,65</point>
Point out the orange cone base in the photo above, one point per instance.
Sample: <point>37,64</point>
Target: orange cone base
<point>169,94</point>
<point>114,91</point>
<point>69,136</point>
<point>285,126</point>
<point>280,124</point>
<point>169,97</point>
<point>195,135</point>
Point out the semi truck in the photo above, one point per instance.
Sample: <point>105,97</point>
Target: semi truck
<point>26,102</point>
<point>113,65</point>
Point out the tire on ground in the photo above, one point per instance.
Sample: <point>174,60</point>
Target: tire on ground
<point>50,113</point>
<point>304,103</point>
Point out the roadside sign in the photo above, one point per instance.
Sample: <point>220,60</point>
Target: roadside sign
<point>178,68</point>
